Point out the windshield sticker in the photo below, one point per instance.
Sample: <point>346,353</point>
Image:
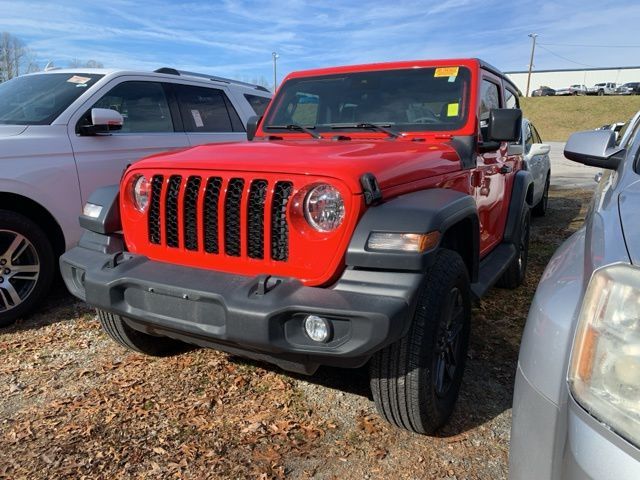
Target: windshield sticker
<point>79,80</point>
<point>197,118</point>
<point>446,72</point>
<point>453,109</point>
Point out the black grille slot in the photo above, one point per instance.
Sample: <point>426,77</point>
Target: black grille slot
<point>279,226</point>
<point>171,210</point>
<point>232,217</point>
<point>255,218</point>
<point>210,225</point>
<point>154,209</point>
<point>190,213</point>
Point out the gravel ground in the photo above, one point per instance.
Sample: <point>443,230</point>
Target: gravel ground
<point>75,405</point>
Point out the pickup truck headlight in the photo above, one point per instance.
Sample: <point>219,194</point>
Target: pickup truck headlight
<point>604,373</point>
<point>324,208</point>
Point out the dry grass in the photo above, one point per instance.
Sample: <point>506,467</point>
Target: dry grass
<point>557,117</point>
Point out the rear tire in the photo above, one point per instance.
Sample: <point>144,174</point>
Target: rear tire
<point>416,380</point>
<point>27,266</point>
<point>600,93</point>
<point>540,209</point>
<point>515,273</point>
<point>117,328</point>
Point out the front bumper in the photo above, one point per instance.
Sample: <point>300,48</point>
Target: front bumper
<point>257,317</point>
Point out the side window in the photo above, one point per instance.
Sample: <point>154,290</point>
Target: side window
<point>206,110</point>
<point>143,105</point>
<point>511,99</point>
<point>528,138</point>
<point>259,104</point>
<point>489,98</point>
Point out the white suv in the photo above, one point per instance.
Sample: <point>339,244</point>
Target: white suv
<point>64,133</point>
<point>600,89</point>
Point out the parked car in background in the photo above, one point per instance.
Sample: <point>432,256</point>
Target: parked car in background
<point>576,406</point>
<point>64,133</point>
<point>631,88</point>
<point>543,92</point>
<point>576,89</point>
<point>536,158</point>
<point>600,89</point>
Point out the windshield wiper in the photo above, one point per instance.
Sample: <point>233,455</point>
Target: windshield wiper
<point>370,126</point>
<point>295,126</point>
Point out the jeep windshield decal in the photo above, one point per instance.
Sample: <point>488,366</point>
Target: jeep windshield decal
<point>401,100</point>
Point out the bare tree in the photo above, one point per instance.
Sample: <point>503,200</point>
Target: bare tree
<point>15,57</point>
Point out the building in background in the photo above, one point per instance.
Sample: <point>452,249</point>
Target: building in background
<point>565,77</point>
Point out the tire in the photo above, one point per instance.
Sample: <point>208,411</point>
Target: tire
<point>540,209</point>
<point>600,93</point>
<point>515,273</point>
<point>117,328</point>
<point>416,380</point>
<point>27,266</point>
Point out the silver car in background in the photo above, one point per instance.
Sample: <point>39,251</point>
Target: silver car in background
<point>536,159</point>
<point>576,406</point>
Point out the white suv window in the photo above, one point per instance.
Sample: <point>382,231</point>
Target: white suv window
<point>143,105</point>
<point>206,110</point>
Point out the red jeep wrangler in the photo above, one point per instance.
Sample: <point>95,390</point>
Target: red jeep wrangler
<point>373,204</point>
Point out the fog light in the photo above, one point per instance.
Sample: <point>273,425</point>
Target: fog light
<point>317,328</point>
<point>91,210</point>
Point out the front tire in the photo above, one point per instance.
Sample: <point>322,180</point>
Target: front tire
<point>415,381</point>
<point>27,266</point>
<point>117,328</point>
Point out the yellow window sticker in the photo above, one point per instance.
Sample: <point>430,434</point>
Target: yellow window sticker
<point>452,109</point>
<point>446,72</point>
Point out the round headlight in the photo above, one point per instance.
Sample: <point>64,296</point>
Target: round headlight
<point>141,193</point>
<point>324,208</point>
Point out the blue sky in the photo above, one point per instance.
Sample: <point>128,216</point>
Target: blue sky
<point>236,38</point>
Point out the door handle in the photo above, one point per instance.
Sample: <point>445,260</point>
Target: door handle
<point>506,169</point>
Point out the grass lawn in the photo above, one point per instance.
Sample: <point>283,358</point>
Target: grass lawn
<point>557,117</point>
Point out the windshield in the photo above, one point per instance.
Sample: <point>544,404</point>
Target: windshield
<point>39,99</point>
<point>419,99</point>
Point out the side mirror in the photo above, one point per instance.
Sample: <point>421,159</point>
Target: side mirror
<point>596,148</point>
<point>539,149</point>
<point>505,124</point>
<point>252,126</point>
<point>103,120</point>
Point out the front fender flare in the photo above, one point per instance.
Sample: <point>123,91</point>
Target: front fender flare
<point>435,209</point>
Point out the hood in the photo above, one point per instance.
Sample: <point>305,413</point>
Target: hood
<point>628,202</point>
<point>11,130</point>
<point>393,162</point>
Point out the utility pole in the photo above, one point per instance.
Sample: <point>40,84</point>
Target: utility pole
<point>533,49</point>
<point>275,75</point>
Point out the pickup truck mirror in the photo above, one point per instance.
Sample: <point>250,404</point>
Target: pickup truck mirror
<point>252,126</point>
<point>505,124</point>
<point>596,148</point>
<point>103,120</point>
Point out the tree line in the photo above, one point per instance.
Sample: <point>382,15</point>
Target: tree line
<point>17,59</point>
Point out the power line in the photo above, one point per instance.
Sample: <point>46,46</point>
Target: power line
<point>565,58</point>
<point>588,46</point>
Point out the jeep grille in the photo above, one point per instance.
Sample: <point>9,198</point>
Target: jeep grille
<point>178,218</point>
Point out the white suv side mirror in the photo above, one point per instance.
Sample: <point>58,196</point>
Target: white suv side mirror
<point>106,117</point>
<point>539,149</point>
